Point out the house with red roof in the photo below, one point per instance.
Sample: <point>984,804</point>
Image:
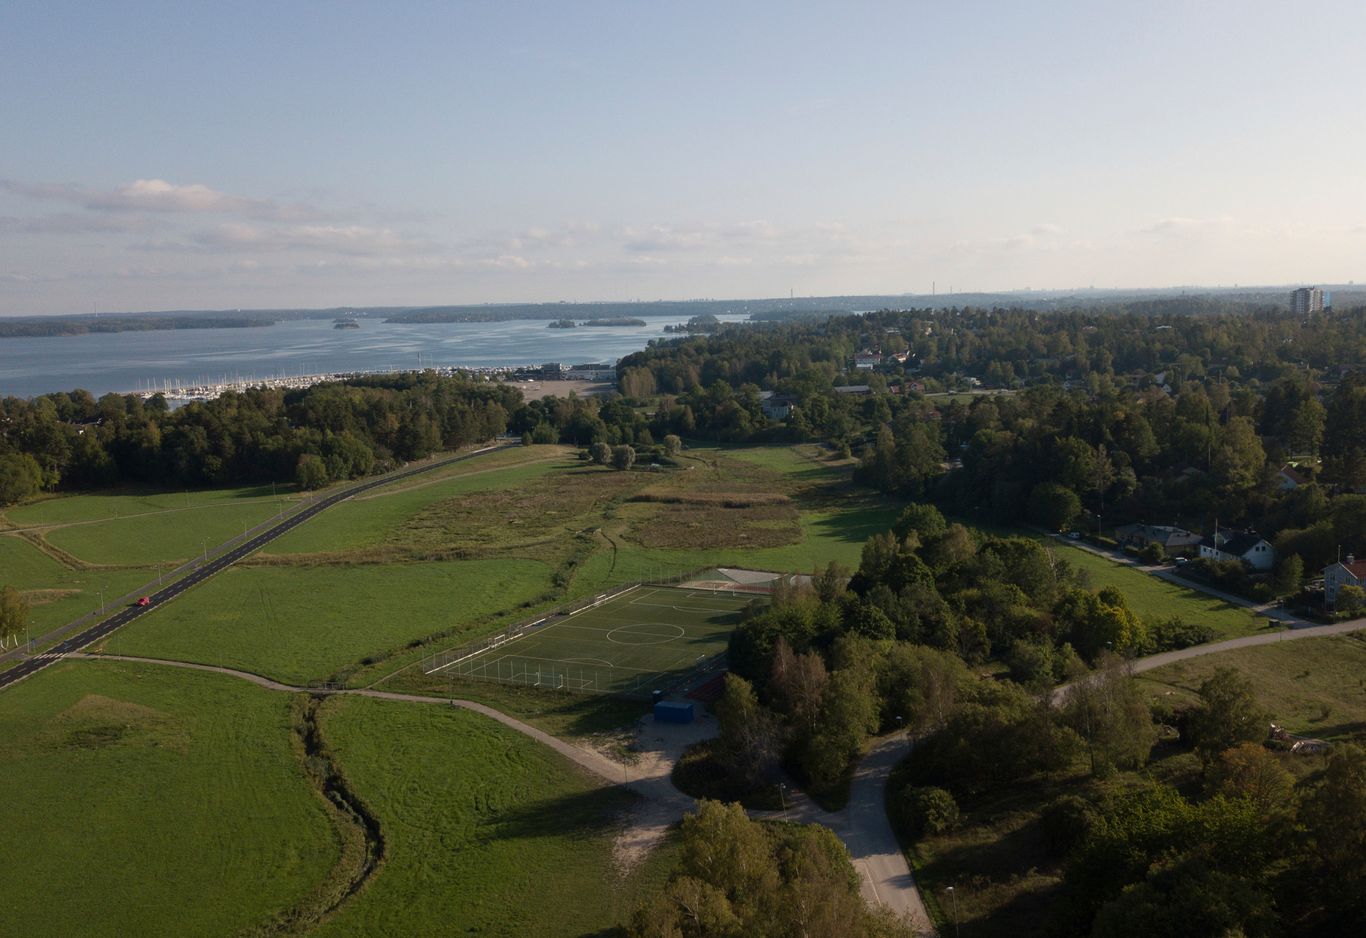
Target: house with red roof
<point>1349,572</point>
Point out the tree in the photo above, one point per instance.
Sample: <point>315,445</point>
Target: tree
<point>1054,506</point>
<point>623,457</point>
<point>600,453</point>
<point>1350,600</point>
<point>1239,460</point>
<point>1228,715</point>
<point>310,472</point>
<point>1250,770</point>
<point>750,737</point>
<point>673,445</point>
<point>14,611</point>
<point>1289,576</point>
<point>1108,711</point>
<point>20,477</point>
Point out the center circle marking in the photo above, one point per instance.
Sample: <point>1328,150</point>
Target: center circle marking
<point>631,634</point>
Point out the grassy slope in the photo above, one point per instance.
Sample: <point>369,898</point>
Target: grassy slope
<point>25,567</point>
<point>305,623</point>
<point>486,832</point>
<point>1159,599</point>
<point>165,537</point>
<point>152,801</point>
<point>71,508</point>
<point>1312,686</point>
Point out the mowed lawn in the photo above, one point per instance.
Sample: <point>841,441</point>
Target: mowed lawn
<point>57,594</point>
<point>486,831</point>
<point>1153,598</point>
<point>367,521</point>
<point>1312,686</point>
<point>305,623</point>
<point>146,800</point>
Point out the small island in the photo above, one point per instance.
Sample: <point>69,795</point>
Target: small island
<point>623,321</point>
<point>563,324</point>
<point>345,324</point>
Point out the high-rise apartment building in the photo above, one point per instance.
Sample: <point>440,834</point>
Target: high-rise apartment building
<point>1306,300</point>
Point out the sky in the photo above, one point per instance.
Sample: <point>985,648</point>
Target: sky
<point>234,155</point>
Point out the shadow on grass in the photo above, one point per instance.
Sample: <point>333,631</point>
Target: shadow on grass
<point>857,525</point>
<point>596,813</point>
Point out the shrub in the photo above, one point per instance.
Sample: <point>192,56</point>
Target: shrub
<point>924,812</point>
<point>1171,634</point>
<point>1066,823</point>
<point>1152,553</point>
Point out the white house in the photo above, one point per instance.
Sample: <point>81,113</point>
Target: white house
<point>1351,572</point>
<point>1247,546</point>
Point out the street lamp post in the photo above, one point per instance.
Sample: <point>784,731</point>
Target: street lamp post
<point>782,798</point>
<point>954,897</point>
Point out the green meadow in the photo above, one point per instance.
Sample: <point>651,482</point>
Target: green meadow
<point>307,623</point>
<point>486,831</point>
<point>1154,598</point>
<point>152,801</point>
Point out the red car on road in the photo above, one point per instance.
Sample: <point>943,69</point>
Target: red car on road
<point>144,601</point>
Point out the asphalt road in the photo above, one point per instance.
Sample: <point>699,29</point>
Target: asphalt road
<point>107,626</point>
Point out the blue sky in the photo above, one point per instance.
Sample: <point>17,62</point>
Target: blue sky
<point>187,155</point>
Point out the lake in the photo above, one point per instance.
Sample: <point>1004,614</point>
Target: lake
<point>136,361</point>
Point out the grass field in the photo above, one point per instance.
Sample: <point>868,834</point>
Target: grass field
<point>146,528</point>
<point>56,593</point>
<point>302,623</point>
<point>371,520</point>
<point>145,800</point>
<point>1312,686</point>
<point>1158,599</point>
<point>486,831</point>
<point>643,639</point>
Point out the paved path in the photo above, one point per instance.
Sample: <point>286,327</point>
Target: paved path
<point>121,618</point>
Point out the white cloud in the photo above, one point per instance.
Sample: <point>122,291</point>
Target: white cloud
<point>338,239</point>
<point>160,196</point>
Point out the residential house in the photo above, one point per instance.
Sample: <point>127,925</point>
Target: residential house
<point>1174,540</point>
<point>1247,546</point>
<point>1351,572</point>
<point>867,360</point>
<point>776,406</point>
<point>1289,478</point>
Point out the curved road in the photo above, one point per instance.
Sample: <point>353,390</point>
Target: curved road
<point>101,629</point>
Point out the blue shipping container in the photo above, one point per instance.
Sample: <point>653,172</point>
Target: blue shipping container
<point>667,711</point>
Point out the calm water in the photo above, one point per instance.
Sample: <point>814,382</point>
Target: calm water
<point>133,361</point>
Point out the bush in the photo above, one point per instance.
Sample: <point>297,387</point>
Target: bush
<point>1152,553</point>
<point>1066,823</point>
<point>1171,634</point>
<point>924,812</point>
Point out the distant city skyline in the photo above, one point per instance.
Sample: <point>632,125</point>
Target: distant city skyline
<point>165,157</point>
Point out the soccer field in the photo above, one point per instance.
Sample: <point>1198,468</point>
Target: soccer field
<point>647,638</point>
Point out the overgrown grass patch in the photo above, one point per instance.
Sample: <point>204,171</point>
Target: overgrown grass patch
<point>373,519</point>
<point>1311,686</point>
<point>145,800</point>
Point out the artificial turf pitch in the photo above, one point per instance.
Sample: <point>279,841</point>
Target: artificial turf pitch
<point>647,638</point>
